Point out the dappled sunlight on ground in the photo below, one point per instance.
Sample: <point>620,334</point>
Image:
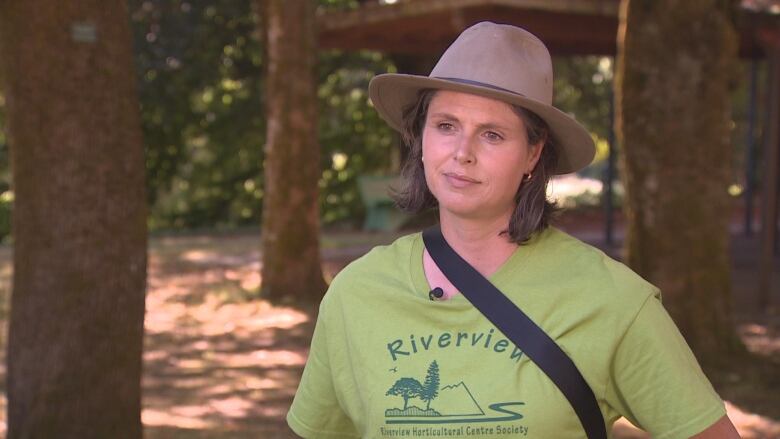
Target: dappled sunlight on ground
<point>217,360</point>
<point>170,418</point>
<point>751,425</point>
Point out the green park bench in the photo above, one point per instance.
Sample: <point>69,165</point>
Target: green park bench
<point>381,213</point>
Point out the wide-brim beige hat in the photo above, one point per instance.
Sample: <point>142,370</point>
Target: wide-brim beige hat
<point>496,61</point>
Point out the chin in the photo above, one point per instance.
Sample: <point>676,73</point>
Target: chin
<point>469,211</point>
<point>474,208</point>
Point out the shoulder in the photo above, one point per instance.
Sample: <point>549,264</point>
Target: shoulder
<point>383,265</point>
<point>381,258</point>
<point>588,269</point>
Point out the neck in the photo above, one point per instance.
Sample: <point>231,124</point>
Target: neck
<point>479,241</point>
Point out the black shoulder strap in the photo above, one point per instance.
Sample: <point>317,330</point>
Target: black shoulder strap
<point>523,332</point>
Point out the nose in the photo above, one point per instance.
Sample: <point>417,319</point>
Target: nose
<point>464,152</point>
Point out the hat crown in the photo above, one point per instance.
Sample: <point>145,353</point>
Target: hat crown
<point>499,56</point>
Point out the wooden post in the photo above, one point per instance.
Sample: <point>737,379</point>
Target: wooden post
<point>769,192</point>
<point>750,165</point>
<point>609,177</point>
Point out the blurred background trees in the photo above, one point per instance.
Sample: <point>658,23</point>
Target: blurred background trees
<point>200,68</point>
<point>200,73</point>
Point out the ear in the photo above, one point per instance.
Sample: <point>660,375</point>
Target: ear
<point>535,152</point>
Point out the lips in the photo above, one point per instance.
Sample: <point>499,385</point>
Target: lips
<point>460,180</point>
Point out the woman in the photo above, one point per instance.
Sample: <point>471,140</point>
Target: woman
<point>386,361</point>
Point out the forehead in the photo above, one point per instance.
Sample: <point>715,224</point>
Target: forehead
<point>477,108</point>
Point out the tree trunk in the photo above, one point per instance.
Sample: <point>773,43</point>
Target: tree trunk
<point>79,220</point>
<point>676,62</point>
<point>291,258</point>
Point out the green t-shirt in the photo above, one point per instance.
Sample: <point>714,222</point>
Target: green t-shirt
<point>385,361</point>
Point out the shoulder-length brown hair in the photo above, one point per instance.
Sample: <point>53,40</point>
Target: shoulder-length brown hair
<point>533,211</point>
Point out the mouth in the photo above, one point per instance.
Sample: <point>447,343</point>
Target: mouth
<point>461,177</point>
<point>459,181</point>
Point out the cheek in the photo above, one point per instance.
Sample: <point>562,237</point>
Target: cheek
<point>431,145</point>
<point>427,162</point>
<point>434,155</point>
<point>508,184</point>
<point>506,176</point>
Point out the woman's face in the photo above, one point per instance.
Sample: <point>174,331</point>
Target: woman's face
<point>475,153</point>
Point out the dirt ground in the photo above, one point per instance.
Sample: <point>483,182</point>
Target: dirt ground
<point>221,364</point>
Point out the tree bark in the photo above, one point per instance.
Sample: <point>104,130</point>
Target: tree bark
<point>79,220</point>
<point>676,62</point>
<point>292,268</point>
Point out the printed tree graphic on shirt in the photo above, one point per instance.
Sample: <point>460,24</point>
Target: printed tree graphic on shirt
<point>406,388</point>
<point>430,389</point>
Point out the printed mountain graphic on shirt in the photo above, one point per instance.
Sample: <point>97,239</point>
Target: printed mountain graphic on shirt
<point>458,400</point>
<point>451,403</point>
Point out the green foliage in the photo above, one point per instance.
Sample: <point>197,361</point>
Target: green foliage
<point>200,68</point>
<point>583,88</point>
<point>354,140</point>
<point>339,4</point>
<point>200,72</point>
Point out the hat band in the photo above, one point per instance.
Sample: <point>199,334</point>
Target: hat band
<point>479,84</point>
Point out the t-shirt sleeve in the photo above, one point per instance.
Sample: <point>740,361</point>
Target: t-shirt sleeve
<point>656,382</point>
<point>316,411</point>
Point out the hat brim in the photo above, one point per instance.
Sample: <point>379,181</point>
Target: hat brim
<point>392,93</point>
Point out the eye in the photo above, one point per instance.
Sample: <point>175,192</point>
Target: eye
<point>445,126</point>
<point>493,136</point>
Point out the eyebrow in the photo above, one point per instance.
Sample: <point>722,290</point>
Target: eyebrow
<point>484,126</point>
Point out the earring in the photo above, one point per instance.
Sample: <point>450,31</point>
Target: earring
<point>528,176</point>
